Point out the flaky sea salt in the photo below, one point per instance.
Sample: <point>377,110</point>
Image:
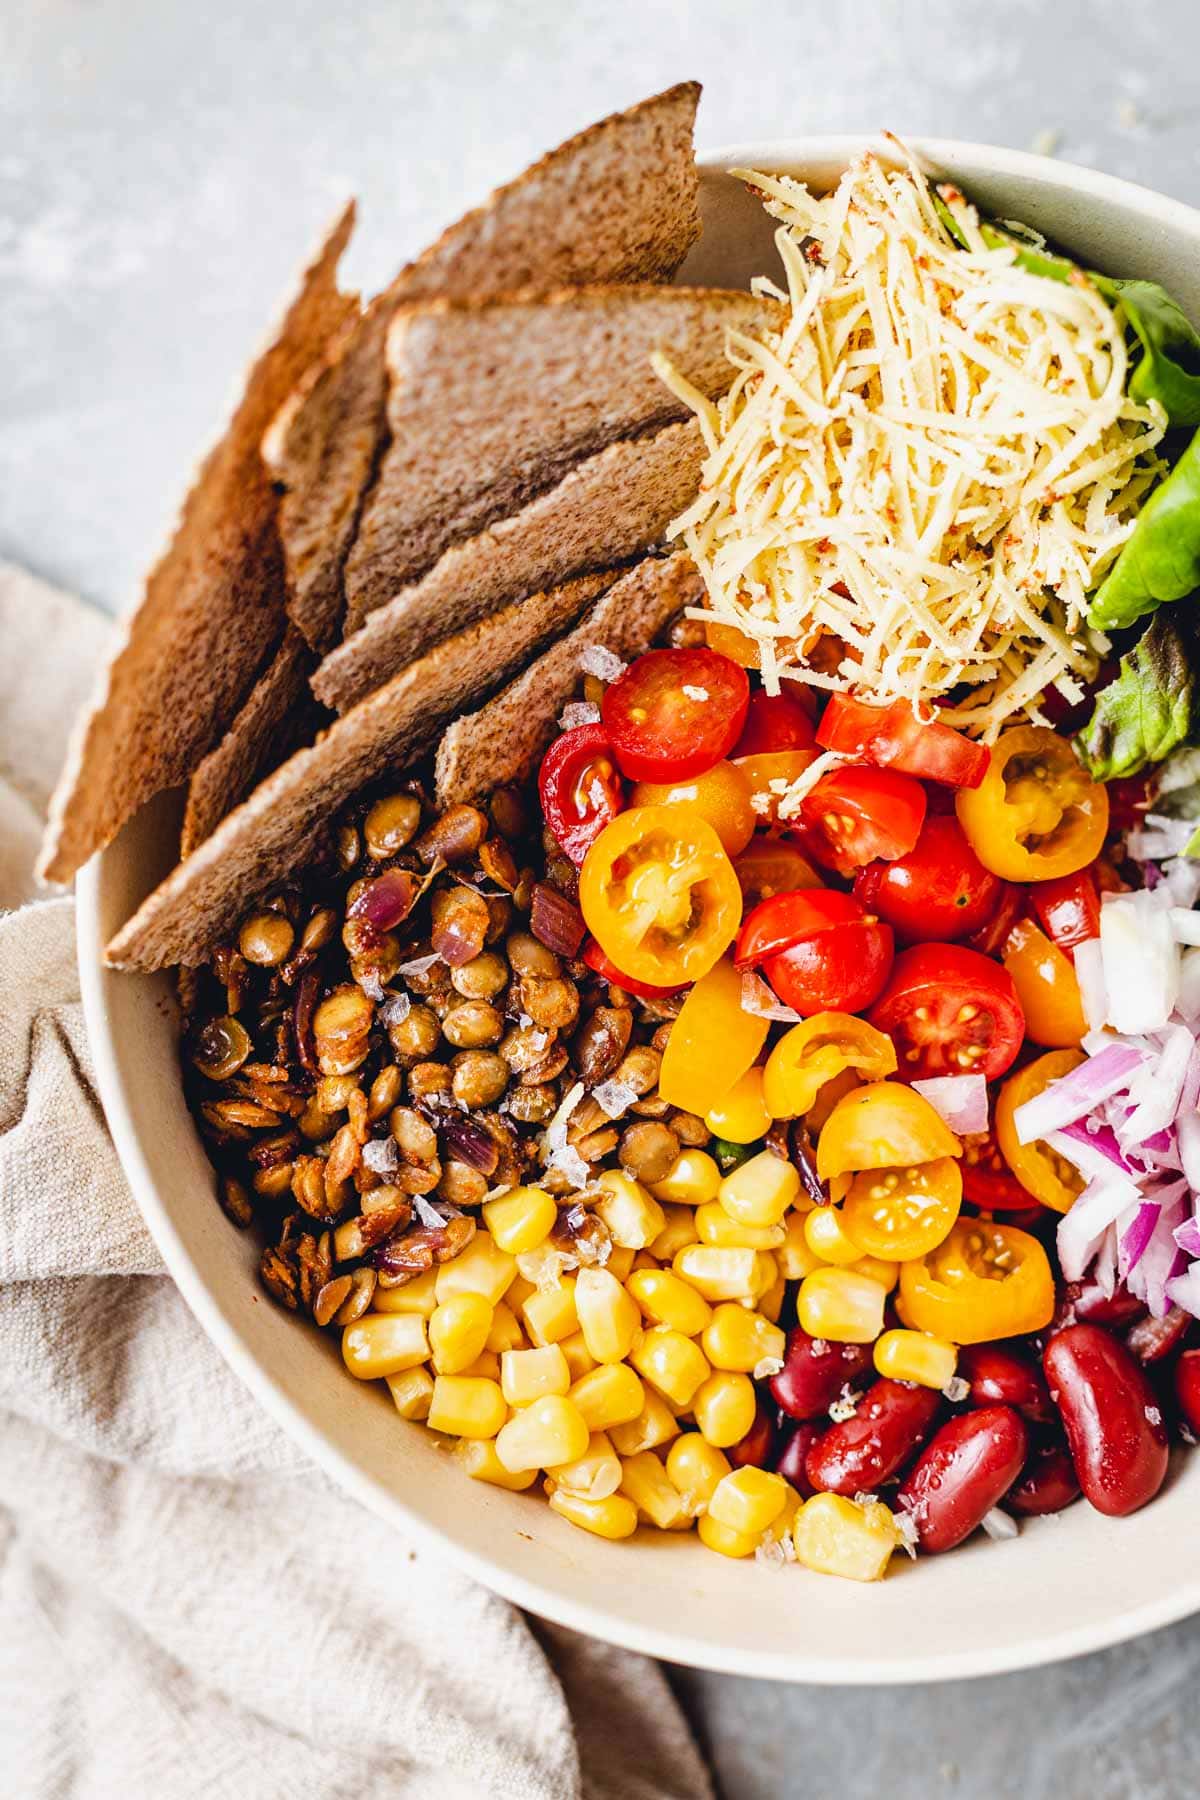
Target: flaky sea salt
<point>603,663</point>
<point>614,1098</point>
<point>381,1156</point>
<point>578,712</point>
<point>395,1009</point>
<point>846,1405</point>
<point>766,1366</point>
<point>956,1389</point>
<point>999,1525</point>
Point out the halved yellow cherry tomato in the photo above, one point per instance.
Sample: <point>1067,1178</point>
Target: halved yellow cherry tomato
<point>984,1281</point>
<point>741,1116</point>
<point>1039,1169</point>
<point>1046,986</point>
<point>721,795</point>
<point>817,1049</point>
<point>882,1126</point>
<point>897,1214</point>
<point>834,1091</point>
<point>659,895</point>
<point>712,1043</point>
<point>769,773</point>
<point>1036,814</point>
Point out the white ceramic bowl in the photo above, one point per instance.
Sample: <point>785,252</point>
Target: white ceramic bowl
<point>1066,1585</point>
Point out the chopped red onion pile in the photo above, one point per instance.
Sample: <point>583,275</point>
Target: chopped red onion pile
<point>1127,1117</point>
<point>961,1101</point>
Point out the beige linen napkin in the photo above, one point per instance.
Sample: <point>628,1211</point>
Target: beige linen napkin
<point>187,1606</point>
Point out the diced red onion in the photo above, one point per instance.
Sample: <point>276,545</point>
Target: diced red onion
<point>1136,1236</point>
<point>1078,1093</point>
<point>1161,1083</point>
<point>961,1101</point>
<point>387,901</point>
<point>1182,880</point>
<point>555,922</point>
<point>1187,1133</point>
<point>1159,837</point>
<point>1185,925</point>
<point>1162,1258</point>
<point>1187,1002</point>
<point>757,998</point>
<point>1095,1153</point>
<point>1089,972</point>
<point>1184,1290</point>
<point>1079,1231</point>
<point>1187,1236</point>
<point>1141,961</point>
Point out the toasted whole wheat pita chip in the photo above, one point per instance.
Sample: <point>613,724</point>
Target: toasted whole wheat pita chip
<point>212,608</point>
<point>611,507</point>
<point>616,203</point>
<point>503,741</point>
<point>493,401</point>
<point>274,832</point>
<point>278,716</point>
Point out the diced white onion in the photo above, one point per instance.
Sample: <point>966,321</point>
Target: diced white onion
<point>1141,962</point>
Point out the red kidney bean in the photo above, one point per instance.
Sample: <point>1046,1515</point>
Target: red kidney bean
<point>814,1372</point>
<point>858,1454</point>
<point>1151,1339</point>
<point>1187,1390</point>
<point>1112,1419</point>
<point>756,1448</point>
<point>1048,1482</point>
<point>790,1461</point>
<point>999,1377</point>
<point>1087,1301</point>
<point>967,1467</point>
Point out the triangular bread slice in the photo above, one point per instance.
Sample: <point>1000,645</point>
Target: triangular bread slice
<point>271,835</point>
<point>278,716</point>
<point>616,203</point>
<point>211,611</point>
<point>503,741</point>
<point>493,401</point>
<point>610,507</point>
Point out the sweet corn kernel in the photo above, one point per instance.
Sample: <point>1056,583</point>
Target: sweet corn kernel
<point>828,1238</point>
<point>742,1116</point>
<point>467,1406</point>
<point>520,1220</point>
<point>656,1424</point>
<point>579,1357</point>
<point>482,1268</point>
<point>506,1333</point>
<point>838,1304</point>
<point>643,1260</point>
<point>519,1290</point>
<point>760,1190</point>
<point>486,1363</point>
<point>632,1214</point>
<point>680,1229</point>
<point>783,1525</point>
<point>692,1179</point>
<point>747,1500</point>
<point>914,1356</point>
<point>647,1484</point>
<point>383,1344</point>
<point>550,1316</point>
<point>412,1390</point>
<point>724,1540</point>
<point>596,1474</point>
<point>724,1407</point>
<point>458,1332</point>
<point>549,1431</point>
<point>419,1296</point>
<point>837,1536</point>
<point>526,1375</point>
<point>738,1339</point>
<point>609,1395</point>
<point>696,1466</point>
<point>722,1274</point>
<point>671,1363</point>
<point>766,1274</point>
<point>666,1299</point>
<point>887,1274</point>
<point>608,1317</point>
<point>796,1257</point>
<point>620,1261</point>
<point>770,1304</point>
<point>478,1457</point>
<point>613,1518</point>
<point>714,1226</point>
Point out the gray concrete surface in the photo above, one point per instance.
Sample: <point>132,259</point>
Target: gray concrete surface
<point>163,168</point>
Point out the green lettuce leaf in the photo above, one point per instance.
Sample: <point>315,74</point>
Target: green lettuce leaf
<point>1160,561</point>
<point>1149,709</point>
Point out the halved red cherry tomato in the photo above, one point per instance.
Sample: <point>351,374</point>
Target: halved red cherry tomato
<point>993,934</point>
<point>820,950</point>
<point>950,1011</point>
<point>893,737</point>
<point>659,895</point>
<point>722,795</point>
<point>1037,814</point>
<point>775,722</point>
<point>854,815</point>
<point>770,866</point>
<point>939,891</point>
<point>1069,908</point>
<point>596,960</point>
<point>988,1182</point>
<point>1046,987</point>
<point>580,788</point>
<point>674,713</point>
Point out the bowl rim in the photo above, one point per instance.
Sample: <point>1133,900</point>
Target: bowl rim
<point>536,1596</point>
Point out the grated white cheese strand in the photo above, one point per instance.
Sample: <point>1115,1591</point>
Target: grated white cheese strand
<point>927,469</point>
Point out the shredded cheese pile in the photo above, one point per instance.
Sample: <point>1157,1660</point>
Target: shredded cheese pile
<point>912,488</point>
